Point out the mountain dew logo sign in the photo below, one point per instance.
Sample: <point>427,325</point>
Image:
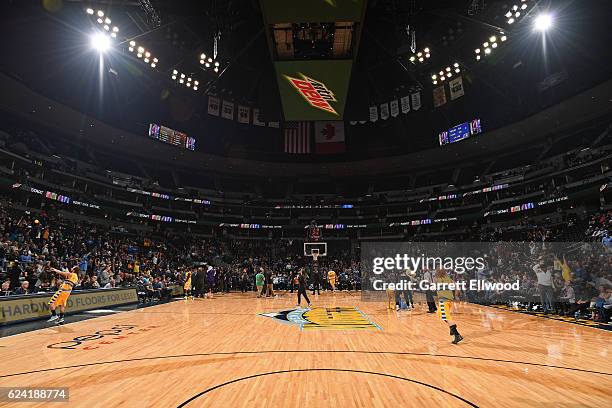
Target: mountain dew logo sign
<point>316,93</point>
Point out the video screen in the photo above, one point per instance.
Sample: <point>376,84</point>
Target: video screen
<point>313,90</point>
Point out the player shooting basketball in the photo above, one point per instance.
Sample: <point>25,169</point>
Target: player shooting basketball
<point>60,298</point>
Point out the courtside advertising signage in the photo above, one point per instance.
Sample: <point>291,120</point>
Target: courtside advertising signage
<point>313,90</point>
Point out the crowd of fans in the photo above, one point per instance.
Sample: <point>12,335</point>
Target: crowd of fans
<point>574,281</point>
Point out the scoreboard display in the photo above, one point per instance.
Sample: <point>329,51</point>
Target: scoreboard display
<point>171,136</point>
<point>460,132</point>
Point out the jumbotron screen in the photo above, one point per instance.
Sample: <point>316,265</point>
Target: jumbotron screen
<point>313,90</point>
<point>171,136</point>
<point>460,132</point>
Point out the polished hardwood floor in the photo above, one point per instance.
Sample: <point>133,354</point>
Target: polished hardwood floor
<point>220,353</point>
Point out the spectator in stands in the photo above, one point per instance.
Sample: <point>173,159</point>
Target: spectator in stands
<point>24,289</point>
<point>603,303</point>
<point>6,289</point>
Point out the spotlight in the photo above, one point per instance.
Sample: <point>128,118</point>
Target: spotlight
<point>492,38</point>
<point>196,83</point>
<point>100,21</point>
<point>153,65</point>
<point>412,59</point>
<point>115,29</point>
<point>487,51</point>
<point>155,60</point>
<point>486,44</point>
<point>504,38</point>
<point>139,55</point>
<point>434,77</point>
<point>146,60</point>
<point>106,27</point>
<point>494,45</point>
<point>435,82</point>
<point>89,11</point>
<point>100,42</point>
<point>510,20</point>
<point>207,65</point>
<point>421,59</point>
<point>448,74</point>
<point>477,51</point>
<point>140,50</point>
<point>543,22</point>
<point>457,70</point>
<point>114,35</point>
<point>426,50</point>
<point>442,78</point>
<point>174,77</point>
<point>133,43</point>
<point>131,49</point>
<point>216,69</point>
<point>517,15</point>
<point>195,88</point>
<point>456,65</point>
<point>107,20</point>
<point>515,7</point>
<point>203,56</point>
<point>448,69</point>
<point>182,76</point>
<point>209,59</point>
<point>174,71</point>
<point>524,6</point>
<point>419,54</point>
<point>202,62</point>
<point>509,14</point>
<point>478,58</point>
<point>181,80</point>
<point>189,84</point>
<point>100,13</point>
<point>216,63</point>
<point>147,54</point>
<point>188,79</point>
<point>427,55</point>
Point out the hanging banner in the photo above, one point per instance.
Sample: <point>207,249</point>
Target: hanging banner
<point>416,100</point>
<point>227,110</point>
<point>362,122</point>
<point>384,111</point>
<point>244,113</point>
<point>405,102</point>
<point>394,104</point>
<point>373,113</point>
<point>274,124</point>
<point>352,122</point>
<point>439,96</point>
<point>256,120</point>
<point>213,105</point>
<point>456,88</point>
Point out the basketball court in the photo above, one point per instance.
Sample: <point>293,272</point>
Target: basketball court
<point>236,350</point>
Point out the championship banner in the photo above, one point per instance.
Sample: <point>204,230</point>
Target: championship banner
<point>213,105</point>
<point>439,96</point>
<point>256,120</point>
<point>416,100</point>
<point>274,124</point>
<point>227,110</point>
<point>394,108</point>
<point>384,111</point>
<point>456,88</point>
<point>15,309</point>
<point>244,114</point>
<point>373,113</point>
<point>405,102</point>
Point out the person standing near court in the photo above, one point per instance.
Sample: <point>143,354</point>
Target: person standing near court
<point>316,280</point>
<point>259,282</point>
<point>302,288</point>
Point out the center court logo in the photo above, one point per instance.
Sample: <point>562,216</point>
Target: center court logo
<point>316,93</point>
<point>324,318</point>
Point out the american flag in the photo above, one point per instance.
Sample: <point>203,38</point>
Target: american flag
<point>297,137</point>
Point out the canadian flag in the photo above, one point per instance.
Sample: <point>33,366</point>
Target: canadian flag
<point>329,137</point>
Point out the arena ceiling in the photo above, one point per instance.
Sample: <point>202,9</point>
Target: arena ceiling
<point>48,49</point>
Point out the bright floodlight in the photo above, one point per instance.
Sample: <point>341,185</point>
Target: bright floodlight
<point>100,42</point>
<point>543,22</point>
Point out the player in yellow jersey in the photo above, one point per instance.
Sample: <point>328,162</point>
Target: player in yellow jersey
<point>187,286</point>
<point>331,277</point>
<point>445,303</point>
<point>60,298</point>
